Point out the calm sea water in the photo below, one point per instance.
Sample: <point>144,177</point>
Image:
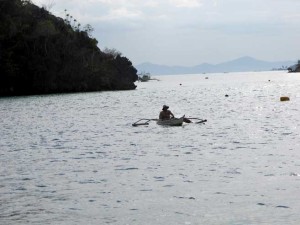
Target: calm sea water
<point>75,158</point>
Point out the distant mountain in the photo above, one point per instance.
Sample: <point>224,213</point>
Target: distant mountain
<point>243,64</point>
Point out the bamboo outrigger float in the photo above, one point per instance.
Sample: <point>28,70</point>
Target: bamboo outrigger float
<point>170,122</point>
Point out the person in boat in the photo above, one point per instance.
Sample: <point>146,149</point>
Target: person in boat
<point>165,114</point>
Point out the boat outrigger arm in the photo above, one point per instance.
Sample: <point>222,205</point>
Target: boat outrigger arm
<point>199,120</point>
<point>143,122</point>
<point>186,120</point>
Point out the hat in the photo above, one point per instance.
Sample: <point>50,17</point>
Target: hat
<point>165,107</point>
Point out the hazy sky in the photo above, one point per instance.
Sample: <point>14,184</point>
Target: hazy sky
<point>190,32</point>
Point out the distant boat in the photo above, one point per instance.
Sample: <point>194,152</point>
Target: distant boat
<point>294,68</point>
<point>143,77</point>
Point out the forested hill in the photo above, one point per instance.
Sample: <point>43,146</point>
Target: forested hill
<point>41,54</point>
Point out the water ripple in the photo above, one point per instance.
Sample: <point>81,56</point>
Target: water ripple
<point>76,159</point>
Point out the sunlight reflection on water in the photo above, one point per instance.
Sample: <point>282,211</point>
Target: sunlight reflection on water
<point>76,159</point>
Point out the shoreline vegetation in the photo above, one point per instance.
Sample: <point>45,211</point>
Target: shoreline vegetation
<point>44,54</point>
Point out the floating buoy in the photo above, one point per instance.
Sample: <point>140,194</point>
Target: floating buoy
<point>283,99</point>
<point>226,95</point>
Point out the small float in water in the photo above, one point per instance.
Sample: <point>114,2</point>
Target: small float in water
<point>284,99</point>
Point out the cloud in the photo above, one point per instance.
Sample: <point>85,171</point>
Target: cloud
<point>121,13</point>
<point>186,3</point>
<point>202,30</point>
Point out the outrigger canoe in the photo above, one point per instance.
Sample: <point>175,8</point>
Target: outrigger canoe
<point>170,122</point>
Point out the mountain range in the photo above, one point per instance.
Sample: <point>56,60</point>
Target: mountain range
<point>243,64</point>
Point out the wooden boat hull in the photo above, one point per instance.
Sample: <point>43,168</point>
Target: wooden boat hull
<point>171,122</point>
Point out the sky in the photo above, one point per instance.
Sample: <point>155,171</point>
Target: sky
<point>189,32</point>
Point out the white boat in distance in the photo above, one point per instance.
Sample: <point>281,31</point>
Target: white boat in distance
<point>171,122</point>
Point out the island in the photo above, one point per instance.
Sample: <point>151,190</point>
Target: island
<point>42,54</point>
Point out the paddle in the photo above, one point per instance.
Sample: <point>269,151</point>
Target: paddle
<point>202,121</point>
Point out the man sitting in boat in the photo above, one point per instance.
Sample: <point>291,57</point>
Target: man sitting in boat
<point>165,114</point>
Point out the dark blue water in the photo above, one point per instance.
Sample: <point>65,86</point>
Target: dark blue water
<point>76,159</point>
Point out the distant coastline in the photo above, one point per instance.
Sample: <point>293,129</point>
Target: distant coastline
<point>243,64</point>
